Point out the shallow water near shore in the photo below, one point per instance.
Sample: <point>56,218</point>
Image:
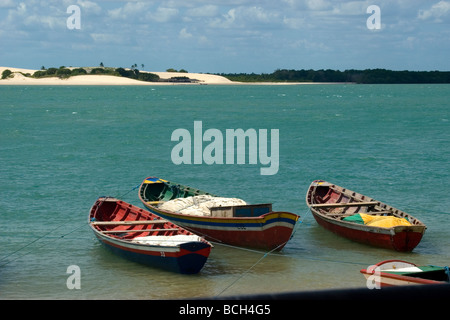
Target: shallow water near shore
<point>63,147</point>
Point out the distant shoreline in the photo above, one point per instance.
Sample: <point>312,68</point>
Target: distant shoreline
<point>18,78</point>
<point>122,77</point>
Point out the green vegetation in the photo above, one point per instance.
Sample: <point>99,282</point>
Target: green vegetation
<point>62,73</point>
<point>78,71</point>
<point>368,76</point>
<point>65,73</point>
<point>132,73</point>
<point>136,74</point>
<point>6,73</point>
<point>356,76</point>
<point>174,70</point>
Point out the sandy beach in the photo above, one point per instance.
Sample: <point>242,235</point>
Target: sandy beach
<point>19,78</point>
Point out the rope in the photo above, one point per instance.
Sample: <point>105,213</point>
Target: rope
<point>35,240</point>
<point>248,270</point>
<point>300,222</point>
<point>46,236</point>
<point>260,259</point>
<point>132,189</point>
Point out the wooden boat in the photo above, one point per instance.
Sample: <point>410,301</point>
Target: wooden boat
<point>141,236</point>
<point>363,219</point>
<point>252,226</point>
<point>398,272</point>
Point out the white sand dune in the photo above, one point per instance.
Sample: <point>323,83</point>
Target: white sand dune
<point>19,79</point>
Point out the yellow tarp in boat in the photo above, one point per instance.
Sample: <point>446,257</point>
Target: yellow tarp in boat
<point>378,221</point>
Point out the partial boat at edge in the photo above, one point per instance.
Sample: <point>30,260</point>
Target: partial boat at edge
<point>398,272</point>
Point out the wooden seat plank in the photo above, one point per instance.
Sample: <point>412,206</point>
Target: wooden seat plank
<point>137,230</point>
<point>143,222</point>
<point>348,204</point>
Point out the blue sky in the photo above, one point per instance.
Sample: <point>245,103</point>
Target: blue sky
<point>227,36</point>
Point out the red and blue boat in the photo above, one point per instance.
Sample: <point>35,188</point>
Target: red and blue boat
<point>219,220</point>
<point>144,237</point>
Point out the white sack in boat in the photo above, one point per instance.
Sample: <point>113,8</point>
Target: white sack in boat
<point>199,205</point>
<point>166,240</point>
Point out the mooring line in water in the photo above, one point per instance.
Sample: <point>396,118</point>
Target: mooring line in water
<point>252,250</point>
<point>132,189</point>
<point>34,241</point>
<point>271,252</point>
<point>2,259</point>
<point>260,259</point>
<point>248,270</point>
<point>290,256</point>
<point>299,223</point>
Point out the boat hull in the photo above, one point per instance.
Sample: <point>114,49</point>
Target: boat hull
<point>140,236</point>
<point>329,204</point>
<point>390,280</point>
<point>188,259</point>
<point>399,238</point>
<point>268,231</point>
<point>389,273</point>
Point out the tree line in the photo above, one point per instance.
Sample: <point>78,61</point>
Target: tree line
<point>368,76</point>
<point>63,72</point>
<point>132,73</point>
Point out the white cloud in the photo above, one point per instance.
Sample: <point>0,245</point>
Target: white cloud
<point>7,4</point>
<point>318,4</point>
<point>21,9</point>
<point>106,38</point>
<point>350,8</point>
<point>131,10</point>
<point>89,7</point>
<point>280,32</point>
<point>47,22</point>
<point>260,14</point>
<point>163,14</point>
<point>246,17</point>
<point>25,18</point>
<point>437,12</point>
<point>295,22</point>
<point>310,45</point>
<point>225,21</point>
<point>184,34</point>
<point>203,11</point>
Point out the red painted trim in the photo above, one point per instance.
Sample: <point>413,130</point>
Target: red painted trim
<point>403,241</point>
<point>269,239</point>
<point>402,278</point>
<point>144,252</point>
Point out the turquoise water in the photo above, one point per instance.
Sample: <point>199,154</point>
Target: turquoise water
<point>62,147</point>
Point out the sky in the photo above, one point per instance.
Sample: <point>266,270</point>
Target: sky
<point>227,36</point>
